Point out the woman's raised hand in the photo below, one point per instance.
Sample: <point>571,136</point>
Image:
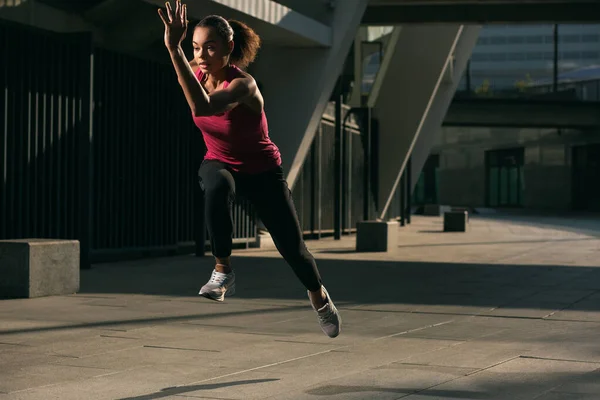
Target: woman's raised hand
<point>175,23</point>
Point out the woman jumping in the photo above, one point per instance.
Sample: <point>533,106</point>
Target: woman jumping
<point>228,108</point>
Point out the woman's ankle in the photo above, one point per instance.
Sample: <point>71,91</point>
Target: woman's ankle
<point>318,298</point>
<point>223,265</point>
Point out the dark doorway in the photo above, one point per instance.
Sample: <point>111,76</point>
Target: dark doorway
<point>586,177</point>
<point>426,189</point>
<point>504,177</point>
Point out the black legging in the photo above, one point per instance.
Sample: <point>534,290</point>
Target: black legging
<point>272,199</point>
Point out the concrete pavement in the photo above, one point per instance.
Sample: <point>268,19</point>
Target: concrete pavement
<point>508,310</point>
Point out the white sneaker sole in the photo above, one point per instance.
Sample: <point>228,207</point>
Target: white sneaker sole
<point>230,291</point>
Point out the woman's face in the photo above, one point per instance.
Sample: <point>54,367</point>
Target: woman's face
<point>211,52</point>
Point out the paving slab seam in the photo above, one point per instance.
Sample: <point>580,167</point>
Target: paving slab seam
<point>494,365</point>
<point>413,312</point>
<point>560,359</point>
<point>261,367</point>
<point>302,342</point>
<point>459,342</point>
<point>413,330</point>
<point>523,253</point>
<point>175,319</point>
<point>93,377</point>
<point>518,299</point>
<point>15,344</point>
<point>120,337</point>
<point>573,303</point>
<point>535,318</point>
<point>179,348</point>
<point>107,305</point>
<point>83,357</point>
<point>552,389</point>
<point>83,366</point>
<point>457,378</point>
<point>479,315</point>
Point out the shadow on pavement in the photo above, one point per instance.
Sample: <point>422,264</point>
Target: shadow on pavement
<point>174,391</point>
<point>335,390</point>
<point>359,282</point>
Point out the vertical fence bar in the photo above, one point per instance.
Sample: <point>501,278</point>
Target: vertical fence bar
<point>349,137</point>
<point>17,133</point>
<point>3,128</point>
<point>314,194</point>
<point>25,203</point>
<point>4,77</point>
<point>403,198</point>
<point>43,148</point>
<point>408,189</point>
<point>338,169</point>
<point>367,164</point>
<point>555,59</point>
<point>319,174</point>
<point>86,138</point>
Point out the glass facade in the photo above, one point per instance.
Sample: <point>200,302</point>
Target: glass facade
<point>523,59</point>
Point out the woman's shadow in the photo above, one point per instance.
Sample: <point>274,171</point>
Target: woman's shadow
<point>172,391</point>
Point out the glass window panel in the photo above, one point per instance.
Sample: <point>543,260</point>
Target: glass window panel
<point>503,185</point>
<point>514,186</point>
<point>493,186</point>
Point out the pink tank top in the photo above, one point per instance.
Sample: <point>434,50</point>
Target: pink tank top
<point>239,137</point>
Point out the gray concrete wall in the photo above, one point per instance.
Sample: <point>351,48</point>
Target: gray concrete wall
<point>546,172</point>
<point>547,176</point>
<point>462,177</point>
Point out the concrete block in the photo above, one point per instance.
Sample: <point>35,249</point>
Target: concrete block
<point>38,267</point>
<point>456,221</point>
<point>376,236</point>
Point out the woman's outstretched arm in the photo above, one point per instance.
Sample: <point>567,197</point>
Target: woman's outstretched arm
<point>200,102</point>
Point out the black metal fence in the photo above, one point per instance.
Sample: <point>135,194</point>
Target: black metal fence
<point>44,111</point>
<point>100,147</point>
<point>314,191</point>
<point>97,146</point>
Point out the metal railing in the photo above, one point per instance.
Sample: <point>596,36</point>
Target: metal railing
<point>315,185</point>
<point>100,147</point>
<point>44,109</point>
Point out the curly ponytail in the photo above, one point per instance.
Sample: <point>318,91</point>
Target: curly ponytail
<point>245,44</point>
<point>245,41</point>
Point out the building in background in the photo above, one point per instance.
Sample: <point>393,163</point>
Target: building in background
<point>528,168</point>
<point>508,56</point>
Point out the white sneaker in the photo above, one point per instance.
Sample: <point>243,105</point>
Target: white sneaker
<point>329,317</point>
<point>218,286</point>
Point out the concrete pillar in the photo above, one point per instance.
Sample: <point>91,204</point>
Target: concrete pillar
<point>297,83</point>
<point>432,126</point>
<point>406,102</point>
